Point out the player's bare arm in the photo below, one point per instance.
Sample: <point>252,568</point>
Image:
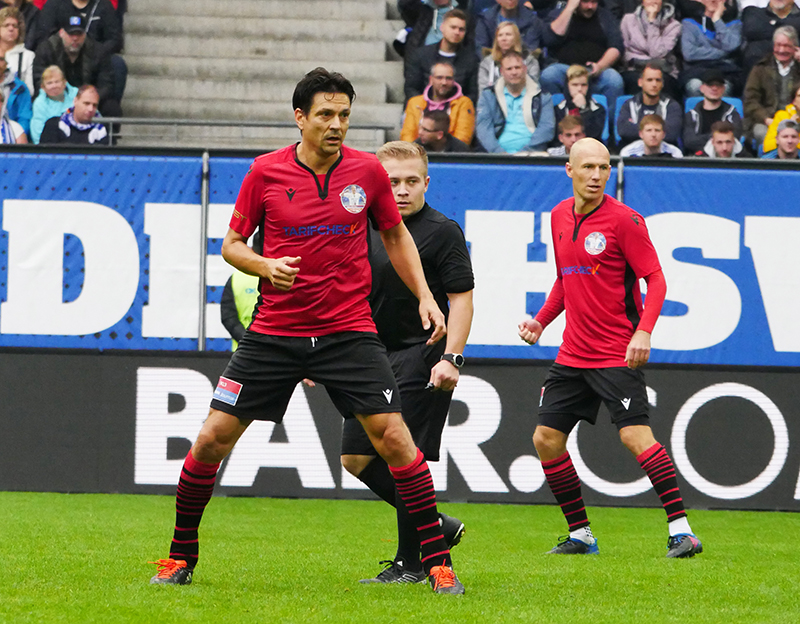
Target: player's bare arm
<point>530,330</point>
<point>444,376</point>
<point>404,257</point>
<point>281,272</point>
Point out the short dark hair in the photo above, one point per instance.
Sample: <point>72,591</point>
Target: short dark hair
<point>457,14</point>
<point>653,64</point>
<point>84,88</point>
<point>722,126</point>
<point>320,80</point>
<point>514,53</point>
<point>440,119</point>
<point>651,119</point>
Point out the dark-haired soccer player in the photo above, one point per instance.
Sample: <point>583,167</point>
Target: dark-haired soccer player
<point>602,249</point>
<point>417,364</point>
<point>312,201</point>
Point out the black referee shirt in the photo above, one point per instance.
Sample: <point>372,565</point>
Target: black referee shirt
<point>448,269</point>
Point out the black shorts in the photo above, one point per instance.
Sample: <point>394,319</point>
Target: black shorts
<point>264,371</point>
<point>424,411</point>
<point>573,394</point>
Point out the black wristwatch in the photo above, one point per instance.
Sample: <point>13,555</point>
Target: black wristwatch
<point>456,359</point>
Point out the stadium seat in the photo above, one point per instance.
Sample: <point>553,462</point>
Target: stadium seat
<point>620,101</point>
<point>691,102</point>
<point>603,101</point>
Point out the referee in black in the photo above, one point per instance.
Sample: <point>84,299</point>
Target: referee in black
<point>426,373</point>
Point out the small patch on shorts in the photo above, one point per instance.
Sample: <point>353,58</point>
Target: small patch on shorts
<point>227,391</point>
<point>541,397</point>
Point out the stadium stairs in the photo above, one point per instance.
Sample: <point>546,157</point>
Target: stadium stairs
<point>192,59</point>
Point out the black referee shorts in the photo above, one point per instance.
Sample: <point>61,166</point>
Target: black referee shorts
<point>572,394</point>
<point>264,371</point>
<point>424,411</point>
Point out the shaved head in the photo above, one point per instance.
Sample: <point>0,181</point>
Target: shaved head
<point>588,147</point>
<point>589,167</point>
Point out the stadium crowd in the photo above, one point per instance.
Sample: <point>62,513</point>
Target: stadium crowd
<point>60,67</point>
<point>658,78</point>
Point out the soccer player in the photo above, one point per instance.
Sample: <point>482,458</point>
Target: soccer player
<point>312,201</point>
<point>426,373</point>
<point>602,249</point>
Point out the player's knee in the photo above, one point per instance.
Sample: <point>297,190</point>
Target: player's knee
<point>548,442</point>
<point>210,447</point>
<point>354,464</point>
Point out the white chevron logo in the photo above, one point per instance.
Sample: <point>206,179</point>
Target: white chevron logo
<point>388,394</point>
<point>626,403</point>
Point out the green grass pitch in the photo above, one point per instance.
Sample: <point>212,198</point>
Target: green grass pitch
<point>82,558</point>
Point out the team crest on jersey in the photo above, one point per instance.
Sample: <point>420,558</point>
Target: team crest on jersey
<point>595,243</point>
<point>354,199</point>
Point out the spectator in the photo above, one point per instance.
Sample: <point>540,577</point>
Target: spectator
<point>102,25</point>
<point>651,143</point>
<point>17,97</point>
<point>771,84</point>
<point>10,131</point>
<point>579,104</point>
<point>12,36</point>
<point>77,125</point>
<point>759,25</point>
<point>722,142</point>
<point>650,101</point>
<point>570,130</point>
<point>698,122</point>
<point>30,15</point>
<point>708,42</point>
<point>450,49</point>
<point>434,133</point>
<point>515,115</point>
<point>83,62</point>
<point>790,112</point>
<point>695,9</point>
<point>442,93</point>
<point>530,27</point>
<point>580,33</point>
<point>423,19</point>
<point>651,34</point>
<point>506,38</point>
<point>786,140</point>
<point>53,100</point>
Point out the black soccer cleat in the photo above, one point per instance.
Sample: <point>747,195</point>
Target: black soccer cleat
<point>569,546</point>
<point>171,572</point>
<point>396,572</point>
<point>683,546</point>
<point>452,529</point>
<point>444,581</point>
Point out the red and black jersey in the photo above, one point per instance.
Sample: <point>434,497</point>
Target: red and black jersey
<point>322,219</point>
<point>600,257</point>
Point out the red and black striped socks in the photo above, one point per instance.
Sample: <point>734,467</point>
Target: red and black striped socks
<point>566,487</point>
<point>194,491</point>
<point>661,471</point>
<point>415,488</point>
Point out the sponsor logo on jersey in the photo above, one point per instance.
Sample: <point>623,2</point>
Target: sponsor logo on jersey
<point>387,394</point>
<point>354,199</point>
<point>595,243</point>
<point>333,229</point>
<point>227,391</point>
<point>290,193</point>
<point>580,270</point>
<point>626,403</point>
<point>635,219</point>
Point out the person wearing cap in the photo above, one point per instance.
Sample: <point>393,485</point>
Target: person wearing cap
<point>787,141</point>
<point>712,108</point>
<point>723,142</point>
<point>103,25</point>
<point>650,101</point>
<point>771,83</point>
<point>83,61</point>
